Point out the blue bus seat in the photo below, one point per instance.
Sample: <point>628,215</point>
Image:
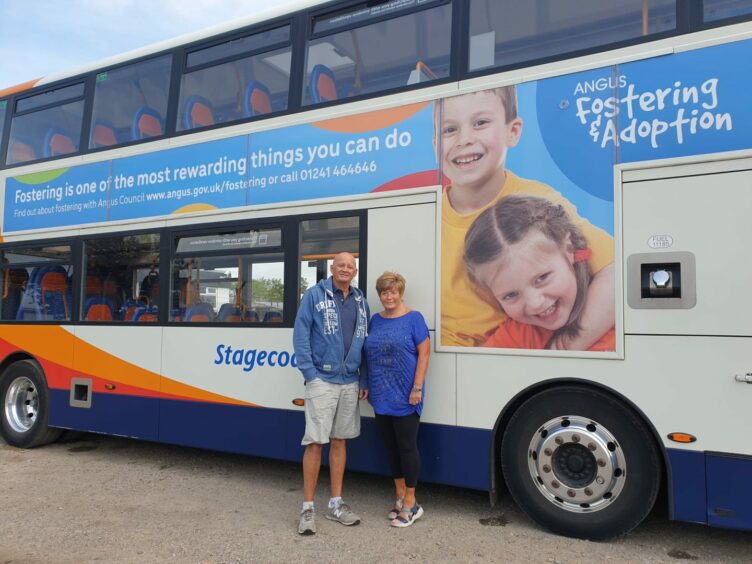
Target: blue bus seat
<point>200,312</point>
<point>323,84</point>
<point>229,313</point>
<point>54,295</point>
<point>146,314</point>
<point>99,308</point>
<point>16,280</point>
<point>58,142</point>
<point>102,134</point>
<point>273,317</point>
<point>20,152</point>
<point>197,112</point>
<point>257,99</point>
<point>147,122</point>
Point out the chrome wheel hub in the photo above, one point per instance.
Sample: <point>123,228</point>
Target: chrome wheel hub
<point>577,464</point>
<point>21,404</point>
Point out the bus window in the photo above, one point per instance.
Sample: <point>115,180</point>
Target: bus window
<point>251,77</point>
<point>320,241</point>
<point>714,10</point>
<point>508,32</point>
<point>246,285</point>
<point>46,125</point>
<point>383,55</point>
<point>36,284</point>
<point>123,95</point>
<point>120,278</point>
<point>228,289</point>
<point>3,108</point>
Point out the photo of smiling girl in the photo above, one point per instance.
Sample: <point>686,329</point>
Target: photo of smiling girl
<point>530,258</point>
<point>473,134</point>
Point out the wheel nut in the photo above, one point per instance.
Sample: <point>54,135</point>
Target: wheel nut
<point>588,492</point>
<point>555,484</point>
<point>570,493</point>
<point>591,446</point>
<point>575,438</point>
<point>559,440</point>
<point>600,480</point>
<point>546,468</point>
<point>601,462</point>
<point>547,451</point>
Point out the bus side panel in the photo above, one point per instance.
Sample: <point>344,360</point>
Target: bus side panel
<point>687,483</point>
<point>276,433</point>
<point>729,491</point>
<point>122,365</point>
<point>129,416</point>
<point>231,428</point>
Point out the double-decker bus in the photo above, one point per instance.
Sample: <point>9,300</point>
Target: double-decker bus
<point>164,211</point>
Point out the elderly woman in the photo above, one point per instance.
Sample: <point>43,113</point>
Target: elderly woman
<point>397,349</point>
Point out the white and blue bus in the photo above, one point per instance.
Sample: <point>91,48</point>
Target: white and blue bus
<point>162,213</point>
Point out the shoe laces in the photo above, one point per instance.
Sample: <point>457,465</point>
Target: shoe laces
<point>307,514</point>
<point>341,508</point>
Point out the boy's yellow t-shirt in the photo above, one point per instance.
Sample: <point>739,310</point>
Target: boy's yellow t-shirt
<point>466,318</point>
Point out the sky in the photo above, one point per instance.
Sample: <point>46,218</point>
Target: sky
<point>43,37</point>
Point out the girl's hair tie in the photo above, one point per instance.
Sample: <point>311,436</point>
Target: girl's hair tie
<point>582,255</point>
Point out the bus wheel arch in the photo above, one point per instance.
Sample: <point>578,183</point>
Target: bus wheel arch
<point>521,430</point>
<point>24,403</point>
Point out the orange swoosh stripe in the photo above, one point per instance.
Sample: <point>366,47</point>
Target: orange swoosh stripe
<point>371,121</point>
<point>57,345</point>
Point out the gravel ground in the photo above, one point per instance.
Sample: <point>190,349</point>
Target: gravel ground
<point>107,499</point>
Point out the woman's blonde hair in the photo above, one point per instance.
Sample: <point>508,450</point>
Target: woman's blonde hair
<point>390,280</point>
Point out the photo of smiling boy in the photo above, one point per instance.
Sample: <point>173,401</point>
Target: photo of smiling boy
<point>472,134</point>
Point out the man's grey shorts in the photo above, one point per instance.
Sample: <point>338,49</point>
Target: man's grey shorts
<point>331,411</point>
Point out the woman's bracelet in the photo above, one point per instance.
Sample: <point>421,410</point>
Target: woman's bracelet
<point>417,389</point>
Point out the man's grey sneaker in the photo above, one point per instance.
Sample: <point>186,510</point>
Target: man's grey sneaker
<point>307,526</point>
<point>343,514</point>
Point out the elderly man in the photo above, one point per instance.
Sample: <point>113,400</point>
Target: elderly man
<point>330,329</point>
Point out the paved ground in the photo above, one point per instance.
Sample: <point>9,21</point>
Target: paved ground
<point>107,499</point>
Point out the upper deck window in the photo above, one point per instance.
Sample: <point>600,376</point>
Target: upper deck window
<point>508,32</point>
<point>3,108</point>
<point>250,77</point>
<point>262,41</point>
<point>368,49</point>
<point>130,103</point>
<point>715,10</point>
<point>46,125</point>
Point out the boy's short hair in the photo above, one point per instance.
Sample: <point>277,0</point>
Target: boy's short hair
<point>390,280</point>
<point>507,95</point>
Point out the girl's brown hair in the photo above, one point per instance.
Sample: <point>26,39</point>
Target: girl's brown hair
<point>507,223</point>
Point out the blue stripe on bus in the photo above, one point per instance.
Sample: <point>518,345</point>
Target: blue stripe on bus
<point>729,491</point>
<point>273,433</point>
<point>131,416</point>
<point>687,485</point>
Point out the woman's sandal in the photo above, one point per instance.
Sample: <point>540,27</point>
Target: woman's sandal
<point>411,515</point>
<point>394,513</point>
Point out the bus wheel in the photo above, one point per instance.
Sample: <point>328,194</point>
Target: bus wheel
<point>23,420</point>
<point>580,463</point>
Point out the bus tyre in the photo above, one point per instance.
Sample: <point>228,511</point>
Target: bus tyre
<point>580,463</point>
<point>25,406</point>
